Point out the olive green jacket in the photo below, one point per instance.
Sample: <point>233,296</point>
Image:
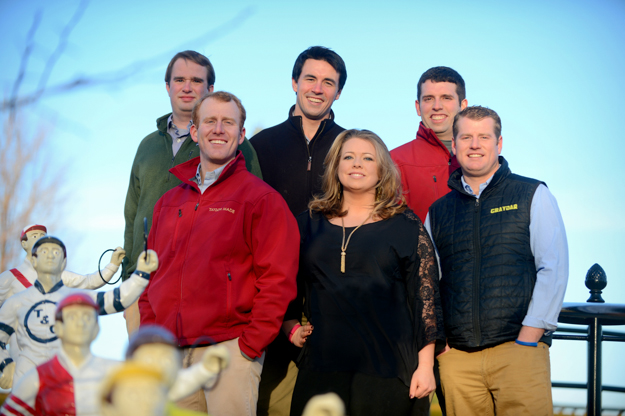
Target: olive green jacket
<point>150,179</point>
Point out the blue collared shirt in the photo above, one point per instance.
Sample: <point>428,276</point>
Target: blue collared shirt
<point>177,134</point>
<point>209,179</point>
<point>551,256</point>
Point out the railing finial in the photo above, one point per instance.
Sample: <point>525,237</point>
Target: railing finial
<point>596,281</point>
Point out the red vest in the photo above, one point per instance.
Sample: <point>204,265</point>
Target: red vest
<point>56,390</point>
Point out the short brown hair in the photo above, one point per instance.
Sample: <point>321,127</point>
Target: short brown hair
<point>222,96</point>
<point>389,189</point>
<point>478,113</point>
<point>195,57</point>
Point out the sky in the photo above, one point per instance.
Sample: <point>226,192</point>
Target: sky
<point>551,69</point>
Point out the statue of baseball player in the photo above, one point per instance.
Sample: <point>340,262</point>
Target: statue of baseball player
<point>30,313</point>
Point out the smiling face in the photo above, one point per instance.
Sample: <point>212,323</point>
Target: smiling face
<point>187,85</point>
<point>438,105</point>
<point>477,149</point>
<point>218,132</point>
<point>317,88</point>
<point>358,166</point>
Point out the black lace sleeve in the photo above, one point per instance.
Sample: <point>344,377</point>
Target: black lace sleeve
<point>428,313</point>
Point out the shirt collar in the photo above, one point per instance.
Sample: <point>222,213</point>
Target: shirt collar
<point>469,190</point>
<point>210,176</point>
<point>174,131</point>
<point>69,365</point>
<point>54,288</point>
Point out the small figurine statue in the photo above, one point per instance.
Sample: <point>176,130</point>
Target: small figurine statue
<point>23,276</point>
<point>137,389</point>
<point>30,313</point>
<point>68,383</point>
<point>156,347</point>
<point>329,404</point>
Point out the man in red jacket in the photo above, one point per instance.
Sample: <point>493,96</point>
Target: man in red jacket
<point>426,162</point>
<point>230,248</point>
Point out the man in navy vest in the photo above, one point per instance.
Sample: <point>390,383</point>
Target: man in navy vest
<point>504,269</point>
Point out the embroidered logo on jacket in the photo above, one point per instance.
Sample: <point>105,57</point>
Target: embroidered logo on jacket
<point>230,210</point>
<point>504,208</point>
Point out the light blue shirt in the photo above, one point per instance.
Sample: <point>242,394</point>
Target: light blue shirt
<point>178,135</point>
<point>209,179</point>
<point>551,256</point>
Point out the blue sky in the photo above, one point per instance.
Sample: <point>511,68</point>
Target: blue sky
<point>551,69</point>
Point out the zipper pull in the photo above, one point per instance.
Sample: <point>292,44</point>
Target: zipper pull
<point>179,213</point>
<point>197,205</point>
<point>434,178</point>
<point>477,203</point>
<point>309,163</point>
<point>229,277</point>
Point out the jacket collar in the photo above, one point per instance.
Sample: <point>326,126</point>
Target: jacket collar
<point>502,173</point>
<point>427,134</point>
<point>296,122</point>
<point>186,171</point>
<point>161,123</point>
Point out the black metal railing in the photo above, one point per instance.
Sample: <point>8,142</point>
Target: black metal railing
<point>595,314</point>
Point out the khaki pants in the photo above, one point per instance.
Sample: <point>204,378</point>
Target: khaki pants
<point>133,318</point>
<point>235,392</point>
<point>508,379</point>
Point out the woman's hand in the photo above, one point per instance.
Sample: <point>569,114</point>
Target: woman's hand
<point>422,383</point>
<point>301,334</point>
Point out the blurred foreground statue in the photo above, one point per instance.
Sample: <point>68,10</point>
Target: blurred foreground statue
<point>329,404</point>
<point>68,383</point>
<point>157,348</point>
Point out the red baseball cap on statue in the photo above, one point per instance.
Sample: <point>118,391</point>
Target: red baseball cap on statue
<point>33,227</point>
<point>75,299</point>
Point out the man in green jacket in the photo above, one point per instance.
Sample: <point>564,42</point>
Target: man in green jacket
<point>188,77</point>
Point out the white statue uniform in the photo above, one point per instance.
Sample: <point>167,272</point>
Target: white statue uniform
<point>30,314</point>
<point>10,284</point>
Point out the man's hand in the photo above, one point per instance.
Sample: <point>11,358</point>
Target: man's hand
<point>6,381</point>
<point>117,256</point>
<point>147,265</point>
<point>530,334</point>
<point>216,358</point>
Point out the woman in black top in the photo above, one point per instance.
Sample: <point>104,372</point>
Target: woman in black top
<point>369,281</point>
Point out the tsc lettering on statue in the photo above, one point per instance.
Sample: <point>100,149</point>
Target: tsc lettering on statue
<point>37,322</point>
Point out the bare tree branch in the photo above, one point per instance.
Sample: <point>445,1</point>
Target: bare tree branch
<point>132,69</point>
<point>60,47</point>
<point>30,38</point>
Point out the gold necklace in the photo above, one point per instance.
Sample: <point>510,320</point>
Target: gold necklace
<point>344,244</point>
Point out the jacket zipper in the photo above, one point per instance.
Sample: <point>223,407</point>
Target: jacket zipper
<point>179,316</point>
<point>476,273</point>
<point>309,148</point>
<point>173,242</point>
<point>228,296</point>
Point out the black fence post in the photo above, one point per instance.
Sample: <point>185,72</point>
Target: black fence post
<point>595,313</point>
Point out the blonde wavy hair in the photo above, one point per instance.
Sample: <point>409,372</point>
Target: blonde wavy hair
<point>389,197</point>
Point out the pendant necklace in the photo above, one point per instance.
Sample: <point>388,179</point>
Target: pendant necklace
<point>345,244</point>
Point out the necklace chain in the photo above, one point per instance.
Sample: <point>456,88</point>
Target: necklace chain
<point>345,244</point>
